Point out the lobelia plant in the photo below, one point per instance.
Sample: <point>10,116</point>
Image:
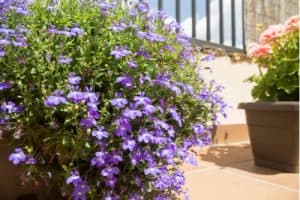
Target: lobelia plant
<point>278,51</point>
<point>100,98</point>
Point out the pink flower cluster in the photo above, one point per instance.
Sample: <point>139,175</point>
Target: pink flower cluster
<point>268,37</point>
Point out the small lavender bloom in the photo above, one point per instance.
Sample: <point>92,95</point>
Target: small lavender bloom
<point>162,80</point>
<point>105,7</point>
<point>20,10</point>
<point>123,126</point>
<point>120,52</point>
<point>88,122</point>
<point>145,136</point>
<point>17,157</point>
<point>125,80</point>
<point>117,27</point>
<point>30,160</point>
<point>110,171</point>
<point>93,111</point>
<point>152,171</point>
<point>186,195</point>
<point>53,101</point>
<point>169,48</point>
<point>132,114</point>
<point>5,85</point>
<point>175,89</point>
<point>20,42</point>
<point>128,144</point>
<point>209,58</point>
<point>119,102</point>
<point>114,159</point>
<point>155,37</point>
<point>149,109</point>
<point>142,100</point>
<point>77,97</point>
<point>100,159</point>
<point>8,107</point>
<point>74,178</point>
<point>143,7</point>
<point>4,42</point>
<point>144,53</point>
<point>76,31</point>
<point>172,111</point>
<point>73,79</point>
<point>2,52</point>
<point>64,60</point>
<point>198,129</point>
<point>132,64</point>
<point>100,133</point>
<point>111,184</point>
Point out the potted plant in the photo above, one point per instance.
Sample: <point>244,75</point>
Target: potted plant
<point>273,120</point>
<point>101,100</point>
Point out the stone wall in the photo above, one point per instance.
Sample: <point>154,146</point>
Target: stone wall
<point>266,12</point>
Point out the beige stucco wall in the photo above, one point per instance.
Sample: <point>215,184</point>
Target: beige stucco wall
<point>231,76</point>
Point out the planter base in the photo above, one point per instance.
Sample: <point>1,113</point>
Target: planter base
<point>274,134</point>
<point>276,165</point>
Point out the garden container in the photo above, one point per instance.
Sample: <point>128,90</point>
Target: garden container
<point>274,134</point>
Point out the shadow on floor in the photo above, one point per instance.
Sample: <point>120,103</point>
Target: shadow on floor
<point>233,156</point>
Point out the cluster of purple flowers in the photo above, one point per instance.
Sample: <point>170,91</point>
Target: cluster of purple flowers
<point>68,32</point>
<point>19,156</point>
<point>135,140</point>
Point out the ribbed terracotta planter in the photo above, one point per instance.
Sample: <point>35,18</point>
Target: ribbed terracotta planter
<point>274,134</point>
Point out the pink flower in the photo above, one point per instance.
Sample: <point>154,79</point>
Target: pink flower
<point>259,50</point>
<point>292,24</point>
<point>272,32</point>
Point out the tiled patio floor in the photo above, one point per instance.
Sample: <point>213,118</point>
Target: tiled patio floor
<point>228,173</point>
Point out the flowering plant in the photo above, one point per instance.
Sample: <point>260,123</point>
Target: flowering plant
<point>278,51</point>
<point>100,98</point>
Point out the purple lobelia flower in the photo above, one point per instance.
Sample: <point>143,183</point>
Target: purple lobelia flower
<point>75,179</point>
<point>141,100</point>
<point>152,171</point>
<point>145,136</point>
<point>73,79</point>
<point>163,80</point>
<point>198,129</point>
<point>172,111</point>
<point>125,80</point>
<point>76,31</point>
<point>120,51</point>
<point>88,122</point>
<point>53,101</point>
<point>128,144</point>
<point>100,133</point>
<point>2,52</point>
<point>100,159</point>
<point>64,60</point>
<point>4,42</point>
<point>77,97</point>
<point>123,126</point>
<point>5,85</point>
<point>79,192</point>
<point>117,27</point>
<point>144,53</point>
<point>30,160</point>
<point>118,101</point>
<point>149,109</point>
<point>17,157</point>
<point>132,113</point>
<point>111,182</point>
<point>110,171</point>
<point>132,64</point>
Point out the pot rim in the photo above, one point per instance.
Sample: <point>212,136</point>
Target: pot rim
<point>269,106</point>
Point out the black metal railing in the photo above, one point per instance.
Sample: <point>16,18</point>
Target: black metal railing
<point>236,31</point>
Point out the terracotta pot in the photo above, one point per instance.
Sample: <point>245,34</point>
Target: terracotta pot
<point>274,134</point>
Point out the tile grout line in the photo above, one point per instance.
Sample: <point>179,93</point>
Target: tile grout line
<point>260,180</point>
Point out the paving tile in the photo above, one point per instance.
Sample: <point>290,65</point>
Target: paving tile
<point>248,168</point>
<point>219,184</point>
<point>223,155</point>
